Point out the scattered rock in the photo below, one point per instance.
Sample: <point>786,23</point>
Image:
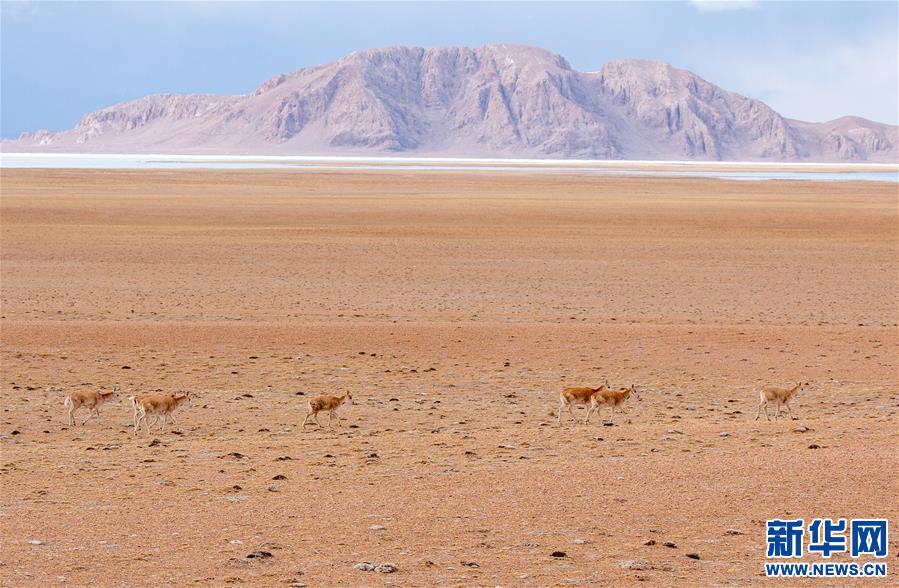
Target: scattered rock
<point>367,566</point>
<point>724,434</point>
<point>470,564</point>
<point>236,542</point>
<point>259,555</point>
<point>801,430</point>
<point>649,542</point>
<point>693,555</point>
<point>559,554</point>
<point>670,544</point>
<point>734,532</point>
<point>377,527</point>
<point>580,541</point>
<point>36,542</point>
<point>279,476</point>
<point>814,446</point>
<point>632,565</point>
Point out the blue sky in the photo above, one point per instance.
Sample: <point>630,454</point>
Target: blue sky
<point>809,60</point>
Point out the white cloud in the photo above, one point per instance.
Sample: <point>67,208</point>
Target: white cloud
<point>22,11</point>
<point>817,82</point>
<point>722,5</point>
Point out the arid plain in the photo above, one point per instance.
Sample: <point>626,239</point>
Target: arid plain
<point>455,306</point>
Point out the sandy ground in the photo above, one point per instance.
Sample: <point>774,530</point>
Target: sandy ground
<point>454,307</point>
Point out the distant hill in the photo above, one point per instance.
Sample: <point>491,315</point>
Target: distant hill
<point>494,101</point>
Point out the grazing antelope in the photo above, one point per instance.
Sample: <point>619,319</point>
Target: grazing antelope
<point>614,398</point>
<point>780,397</point>
<point>570,396</point>
<point>329,403</point>
<point>163,405</point>
<point>91,400</point>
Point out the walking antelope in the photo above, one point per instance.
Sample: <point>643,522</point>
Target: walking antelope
<point>163,405</point>
<point>780,397</point>
<point>318,404</point>
<point>587,396</point>
<point>614,398</point>
<point>91,400</point>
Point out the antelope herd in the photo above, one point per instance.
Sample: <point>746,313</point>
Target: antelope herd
<point>164,405</point>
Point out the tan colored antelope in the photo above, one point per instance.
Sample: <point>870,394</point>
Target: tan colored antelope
<point>318,404</point>
<point>780,397</point>
<point>91,400</point>
<point>614,398</point>
<point>579,395</point>
<point>157,405</point>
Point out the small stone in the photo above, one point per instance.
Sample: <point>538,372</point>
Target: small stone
<point>814,446</point>
<point>580,541</point>
<point>377,527</point>
<point>259,555</point>
<point>725,434</point>
<point>734,532</point>
<point>279,477</point>
<point>236,542</point>
<point>364,566</point>
<point>693,555</point>
<point>36,542</point>
<point>385,568</point>
<point>632,565</point>
<point>558,554</point>
<point>670,544</point>
<point>801,430</point>
<point>649,542</point>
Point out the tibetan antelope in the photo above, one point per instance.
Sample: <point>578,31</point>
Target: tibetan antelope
<point>91,400</point>
<point>778,396</point>
<point>329,403</point>
<point>157,405</point>
<point>587,396</point>
<point>614,398</point>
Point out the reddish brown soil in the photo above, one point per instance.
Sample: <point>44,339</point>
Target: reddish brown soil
<point>455,307</point>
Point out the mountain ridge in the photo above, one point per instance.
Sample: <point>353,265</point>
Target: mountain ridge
<point>493,101</point>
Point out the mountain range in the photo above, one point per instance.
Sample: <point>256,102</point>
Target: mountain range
<point>493,101</point>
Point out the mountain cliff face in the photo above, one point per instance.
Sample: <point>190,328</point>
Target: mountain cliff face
<point>494,101</point>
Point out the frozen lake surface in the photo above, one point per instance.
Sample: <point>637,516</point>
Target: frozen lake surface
<point>721,170</point>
